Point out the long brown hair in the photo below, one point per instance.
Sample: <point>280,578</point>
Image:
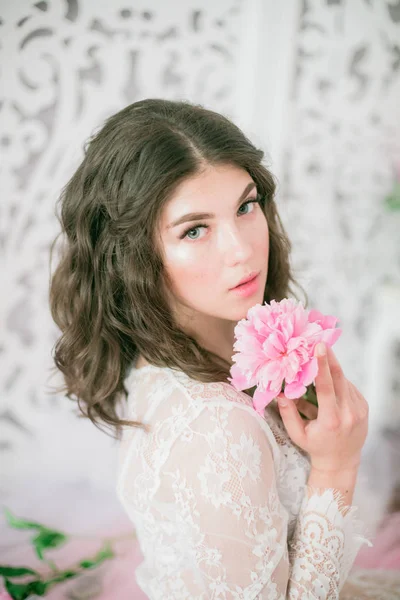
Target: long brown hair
<point>106,294</point>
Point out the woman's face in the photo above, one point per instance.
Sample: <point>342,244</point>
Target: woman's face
<point>205,257</point>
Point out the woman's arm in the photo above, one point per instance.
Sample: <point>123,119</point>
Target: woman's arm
<point>344,481</point>
<point>228,528</point>
<point>327,536</point>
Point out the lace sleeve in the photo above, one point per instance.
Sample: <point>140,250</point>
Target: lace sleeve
<point>218,492</point>
<point>325,543</point>
<point>205,491</point>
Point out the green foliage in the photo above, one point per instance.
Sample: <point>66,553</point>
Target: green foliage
<point>392,201</point>
<point>311,395</point>
<point>102,555</point>
<point>20,591</point>
<point>16,571</point>
<point>45,539</point>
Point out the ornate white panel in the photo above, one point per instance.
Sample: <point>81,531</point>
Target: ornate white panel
<point>317,85</point>
<point>66,66</point>
<point>342,146</point>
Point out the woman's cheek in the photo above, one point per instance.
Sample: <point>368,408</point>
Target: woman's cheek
<point>182,264</point>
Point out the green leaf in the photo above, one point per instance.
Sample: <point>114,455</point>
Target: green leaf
<point>7,571</point>
<point>48,539</point>
<point>69,574</point>
<point>39,587</point>
<point>102,555</point>
<point>20,523</point>
<point>392,201</point>
<point>21,591</point>
<point>311,395</point>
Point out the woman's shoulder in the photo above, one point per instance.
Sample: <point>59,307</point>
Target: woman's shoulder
<point>170,400</point>
<point>157,392</point>
<point>168,380</point>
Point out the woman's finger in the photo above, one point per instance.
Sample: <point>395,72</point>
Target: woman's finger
<point>304,407</point>
<point>359,402</point>
<point>307,409</point>
<point>338,378</point>
<point>327,405</point>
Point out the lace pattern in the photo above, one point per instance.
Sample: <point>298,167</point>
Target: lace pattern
<point>217,495</point>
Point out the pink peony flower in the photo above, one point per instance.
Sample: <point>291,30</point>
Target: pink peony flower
<point>4,595</point>
<point>275,349</point>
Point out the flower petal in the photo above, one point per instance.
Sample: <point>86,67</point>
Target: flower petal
<point>261,399</point>
<point>294,390</point>
<point>309,372</point>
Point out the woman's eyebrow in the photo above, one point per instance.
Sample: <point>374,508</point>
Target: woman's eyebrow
<point>197,216</point>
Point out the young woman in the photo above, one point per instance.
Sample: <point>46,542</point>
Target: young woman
<point>169,213</point>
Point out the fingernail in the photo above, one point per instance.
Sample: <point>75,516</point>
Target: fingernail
<point>282,402</point>
<point>320,349</point>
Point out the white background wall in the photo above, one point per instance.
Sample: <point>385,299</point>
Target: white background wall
<point>315,83</point>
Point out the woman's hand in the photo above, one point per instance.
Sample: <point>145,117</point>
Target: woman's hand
<point>334,439</point>
<point>305,408</point>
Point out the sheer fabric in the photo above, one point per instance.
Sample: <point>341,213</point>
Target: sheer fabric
<point>219,499</point>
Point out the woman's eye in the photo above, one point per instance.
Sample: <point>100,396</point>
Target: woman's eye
<point>202,226</point>
<point>194,229</point>
<point>247,204</point>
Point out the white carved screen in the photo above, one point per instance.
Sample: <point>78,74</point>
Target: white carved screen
<point>66,66</point>
<point>316,84</point>
<point>342,152</point>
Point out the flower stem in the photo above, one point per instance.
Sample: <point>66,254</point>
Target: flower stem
<point>311,395</point>
<point>124,536</point>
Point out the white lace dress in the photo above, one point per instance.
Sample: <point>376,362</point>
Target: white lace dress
<point>219,501</point>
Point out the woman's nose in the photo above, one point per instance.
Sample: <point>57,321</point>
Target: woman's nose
<point>237,246</point>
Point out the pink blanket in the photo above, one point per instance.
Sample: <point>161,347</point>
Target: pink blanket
<point>385,553</point>
<point>116,577</point>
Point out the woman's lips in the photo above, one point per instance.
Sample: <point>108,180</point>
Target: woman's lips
<point>247,289</point>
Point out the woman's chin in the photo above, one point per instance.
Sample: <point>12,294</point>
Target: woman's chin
<point>238,314</point>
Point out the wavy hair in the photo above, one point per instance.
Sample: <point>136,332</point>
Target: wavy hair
<point>106,293</point>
